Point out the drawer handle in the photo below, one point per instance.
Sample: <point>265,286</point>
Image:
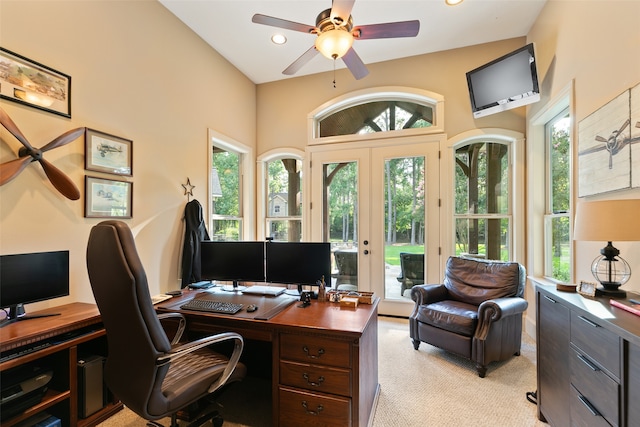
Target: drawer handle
<point>550,299</point>
<point>588,405</point>
<point>588,363</point>
<point>588,322</point>
<point>311,383</point>
<point>313,356</point>
<point>319,408</point>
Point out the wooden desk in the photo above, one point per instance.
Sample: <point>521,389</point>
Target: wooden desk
<point>324,358</point>
<point>75,330</point>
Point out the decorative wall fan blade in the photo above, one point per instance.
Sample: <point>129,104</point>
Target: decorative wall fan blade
<point>355,64</point>
<point>12,168</point>
<point>60,181</point>
<point>282,23</point>
<point>388,30</point>
<point>28,154</point>
<point>302,60</point>
<point>341,10</point>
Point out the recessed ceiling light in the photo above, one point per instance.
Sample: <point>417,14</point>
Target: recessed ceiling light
<point>278,39</point>
<point>453,2</point>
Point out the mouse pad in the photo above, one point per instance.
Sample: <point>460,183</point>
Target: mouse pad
<point>268,306</point>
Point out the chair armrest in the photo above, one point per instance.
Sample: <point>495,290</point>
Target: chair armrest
<point>493,310</point>
<point>182,323</point>
<point>426,294</point>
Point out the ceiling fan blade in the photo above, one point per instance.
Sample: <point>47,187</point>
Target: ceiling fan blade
<point>341,9</point>
<point>282,23</point>
<point>11,169</point>
<point>302,60</point>
<point>60,181</point>
<point>11,127</point>
<point>63,139</point>
<point>387,31</point>
<point>355,64</point>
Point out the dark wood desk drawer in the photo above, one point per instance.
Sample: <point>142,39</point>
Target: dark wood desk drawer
<point>298,408</point>
<point>582,412</point>
<point>316,378</point>
<point>600,344</point>
<point>597,387</point>
<point>316,350</point>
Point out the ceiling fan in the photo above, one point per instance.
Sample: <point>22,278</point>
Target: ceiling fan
<point>28,154</point>
<point>336,33</point>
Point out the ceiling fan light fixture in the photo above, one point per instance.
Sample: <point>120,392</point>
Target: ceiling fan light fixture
<point>335,43</point>
<point>453,2</point>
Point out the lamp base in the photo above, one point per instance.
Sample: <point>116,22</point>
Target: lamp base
<point>611,292</point>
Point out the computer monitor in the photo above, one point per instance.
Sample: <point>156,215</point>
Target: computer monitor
<point>234,261</point>
<point>299,263</point>
<point>32,277</point>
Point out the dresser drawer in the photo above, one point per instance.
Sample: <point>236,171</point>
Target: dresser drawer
<point>602,345</point>
<point>299,408</point>
<point>582,412</point>
<point>316,350</point>
<point>316,378</point>
<point>595,386</point>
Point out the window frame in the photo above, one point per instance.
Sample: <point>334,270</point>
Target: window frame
<point>246,179</point>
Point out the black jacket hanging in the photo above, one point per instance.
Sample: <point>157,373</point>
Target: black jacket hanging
<point>195,233</point>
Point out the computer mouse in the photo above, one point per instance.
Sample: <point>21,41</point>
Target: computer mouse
<point>251,308</point>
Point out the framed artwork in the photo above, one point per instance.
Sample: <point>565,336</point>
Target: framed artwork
<point>27,82</point>
<point>608,146</point>
<point>107,153</point>
<point>587,289</point>
<point>107,198</point>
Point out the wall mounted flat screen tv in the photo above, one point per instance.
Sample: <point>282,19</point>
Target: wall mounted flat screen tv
<point>507,82</point>
<point>32,277</point>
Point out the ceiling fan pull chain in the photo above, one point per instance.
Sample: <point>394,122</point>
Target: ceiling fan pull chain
<point>334,73</point>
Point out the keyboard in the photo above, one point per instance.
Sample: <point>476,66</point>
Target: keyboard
<point>199,304</point>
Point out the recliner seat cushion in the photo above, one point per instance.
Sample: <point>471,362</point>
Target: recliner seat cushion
<point>455,316</point>
<point>476,281</point>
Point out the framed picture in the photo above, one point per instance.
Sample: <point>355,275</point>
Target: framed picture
<point>586,288</point>
<point>107,198</point>
<point>107,153</point>
<point>30,83</point>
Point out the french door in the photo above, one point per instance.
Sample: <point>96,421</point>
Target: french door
<point>377,203</point>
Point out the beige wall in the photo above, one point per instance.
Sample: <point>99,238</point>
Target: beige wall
<point>283,106</point>
<point>139,73</point>
<point>597,45</point>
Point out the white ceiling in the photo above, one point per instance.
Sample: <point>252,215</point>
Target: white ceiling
<point>226,26</point>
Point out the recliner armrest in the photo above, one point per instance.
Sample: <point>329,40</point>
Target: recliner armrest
<point>491,311</point>
<point>426,294</point>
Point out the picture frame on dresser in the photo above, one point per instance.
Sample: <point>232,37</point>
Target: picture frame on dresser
<point>108,198</point>
<point>30,83</point>
<point>108,153</point>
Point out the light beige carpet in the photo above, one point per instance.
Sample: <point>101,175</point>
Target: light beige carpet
<point>428,387</point>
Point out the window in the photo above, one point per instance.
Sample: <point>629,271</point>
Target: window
<point>284,199</point>
<point>557,220</point>
<point>483,225</point>
<point>226,195</point>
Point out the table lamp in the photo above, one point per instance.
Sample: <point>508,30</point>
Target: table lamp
<point>608,221</point>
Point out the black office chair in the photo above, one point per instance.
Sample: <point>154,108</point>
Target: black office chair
<point>152,376</point>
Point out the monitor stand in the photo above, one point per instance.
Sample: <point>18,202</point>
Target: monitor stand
<point>17,314</point>
<point>234,288</point>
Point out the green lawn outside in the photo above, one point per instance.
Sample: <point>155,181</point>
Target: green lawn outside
<point>392,252</point>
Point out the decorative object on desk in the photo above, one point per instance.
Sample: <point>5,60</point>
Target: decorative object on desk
<point>107,153</point>
<point>587,289</point>
<point>608,221</point>
<point>29,83</point>
<point>28,154</point>
<point>305,298</point>
<point>565,287</point>
<point>107,198</point>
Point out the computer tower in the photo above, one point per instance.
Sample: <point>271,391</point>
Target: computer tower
<point>90,385</point>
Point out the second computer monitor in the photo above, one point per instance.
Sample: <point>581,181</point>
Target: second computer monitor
<point>300,263</point>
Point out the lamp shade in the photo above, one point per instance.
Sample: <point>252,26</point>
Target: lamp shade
<point>334,43</point>
<point>608,221</point>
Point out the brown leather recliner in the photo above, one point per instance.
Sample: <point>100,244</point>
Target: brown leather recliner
<point>476,312</point>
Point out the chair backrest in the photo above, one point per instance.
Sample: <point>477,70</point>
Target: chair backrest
<point>474,281</point>
<point>135,336</point>
<point>346,262</point>
<point>412,266</point>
